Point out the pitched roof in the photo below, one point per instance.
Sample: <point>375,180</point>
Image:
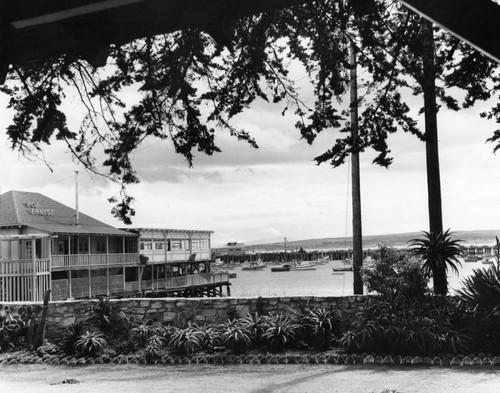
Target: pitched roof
<point>21,208</point>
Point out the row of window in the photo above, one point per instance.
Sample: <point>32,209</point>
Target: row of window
<point>82,246</point>
<point>173,244</point>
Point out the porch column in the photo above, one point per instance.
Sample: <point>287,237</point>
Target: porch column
<point>49,254</point>
<point>34,287</point>
<point>107,251</point>
<point>139,276</point>
<point>107,266</point>
<point>69,250</point>
<point>70,285</point>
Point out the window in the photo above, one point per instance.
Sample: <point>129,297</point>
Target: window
<point>101,246</point>
<point>131,245</point>
<point>159,245</point>
<point>29,250</point>
<point>200,243</point>
<point>146,245</point>
<point>176,244</point>
<point>83,246</point>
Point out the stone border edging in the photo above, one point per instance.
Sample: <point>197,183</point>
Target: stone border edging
<point>33,358</point>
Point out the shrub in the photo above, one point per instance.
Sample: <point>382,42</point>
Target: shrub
<point>123,347</point>
<point>71,336</point>
<point>255,324</point>
<point>481,292</point>
<point>280,331</point>
<point>90,343</point>
<point>480,295</point>
<point>236,336</point>
<point>185,341</point>
<point>319,326</point>
<point>325,326</point>
<point>425,326</point>
<point>141,333</point>
<point>154,348</point>
<point>109,319</point>
<point>210,335</point>
<point>395,272</point>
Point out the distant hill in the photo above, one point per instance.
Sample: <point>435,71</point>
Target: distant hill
<point>483,237</point>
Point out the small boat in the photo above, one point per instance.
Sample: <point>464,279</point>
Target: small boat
<point>342,269</point>
<point>322,261</point>
<point>232,275</point>
<point>299,265</point>
<point>284,268</point>
<point>488,260</point>
<point>345,267</point>
<point>254,266</point>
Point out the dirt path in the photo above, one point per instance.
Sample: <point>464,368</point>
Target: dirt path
<point>247,378</point>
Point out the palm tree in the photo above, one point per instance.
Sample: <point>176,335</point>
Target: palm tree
<point>438,252</point>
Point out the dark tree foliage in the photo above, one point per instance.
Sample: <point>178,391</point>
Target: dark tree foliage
<point>190,86</point>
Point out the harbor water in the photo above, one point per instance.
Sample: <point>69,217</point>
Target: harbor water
<point>322,281</point>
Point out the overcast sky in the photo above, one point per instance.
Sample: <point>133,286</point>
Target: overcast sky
<point>277,191</point>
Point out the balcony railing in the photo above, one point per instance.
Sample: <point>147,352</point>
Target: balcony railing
<point>91,260</point>
<point>24,279</point>
<point>160,256</point>
<point>80,287</point>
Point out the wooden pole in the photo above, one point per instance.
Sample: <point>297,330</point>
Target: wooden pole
<point>357,257</point>
<point>40,333</point>
<point>431,131</point>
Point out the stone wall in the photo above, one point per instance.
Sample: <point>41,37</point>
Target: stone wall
<point>179,311</point>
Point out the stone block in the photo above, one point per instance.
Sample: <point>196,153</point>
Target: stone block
<point>210,313</point>
<point>242,310</point>
<point>169,316</point>
<point>199,319</point>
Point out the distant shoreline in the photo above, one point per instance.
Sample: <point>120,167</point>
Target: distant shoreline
<point>398,240</point>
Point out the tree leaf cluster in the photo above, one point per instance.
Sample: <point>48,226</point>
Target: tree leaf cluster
<point>186,87</point>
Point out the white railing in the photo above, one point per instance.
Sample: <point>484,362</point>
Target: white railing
<point>24,280</point>
<point>89,260</point>
<point>98,285</point>
<point>160,256</point>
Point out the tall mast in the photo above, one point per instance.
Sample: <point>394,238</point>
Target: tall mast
<point>77,212</point>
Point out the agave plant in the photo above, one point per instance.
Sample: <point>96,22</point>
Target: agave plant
<point>154,348</point>
<point>236,336</point>
<point>90,343</point>
<point>281,330</point>
<point>70,337</point>
<point>141,333</point>
<point>481,292</point>
<point>254,323</point>
<point>325,325</point>
<point>185,341</point>
<point>439,252</point>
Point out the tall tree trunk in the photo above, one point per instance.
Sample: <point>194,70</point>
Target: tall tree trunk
<point>431,144</point>
<point>357,246</point>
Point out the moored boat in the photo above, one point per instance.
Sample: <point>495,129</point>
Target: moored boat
<point>299,265</point>
<point>254,266</point>
<point>322,261</point>
<point>284,268</point>
<point>342,269</point>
